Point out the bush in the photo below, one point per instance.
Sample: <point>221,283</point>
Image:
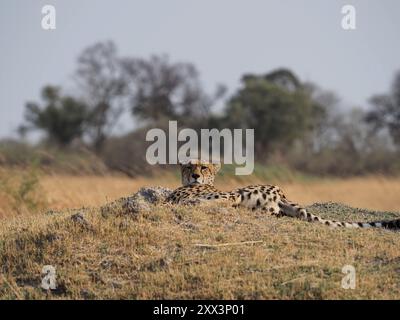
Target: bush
<point>78,160</point>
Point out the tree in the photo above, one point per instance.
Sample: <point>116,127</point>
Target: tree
<point>285,79</point>
<point>100,76</point>
<point>326,115</point>
<point>161,90</point>
<point>385,111</point>
<point>63,118</point>
<point>276,106</point>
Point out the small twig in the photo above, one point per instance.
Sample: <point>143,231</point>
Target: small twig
<point>200,245</point>
<point>293,280</point>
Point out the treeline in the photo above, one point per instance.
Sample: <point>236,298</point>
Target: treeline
<point>296,123</point>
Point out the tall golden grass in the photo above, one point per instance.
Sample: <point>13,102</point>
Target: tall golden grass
<point>59,192</point>
<point>374,192</point>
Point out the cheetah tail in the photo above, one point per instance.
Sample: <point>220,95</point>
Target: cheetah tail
<point>294,210</point>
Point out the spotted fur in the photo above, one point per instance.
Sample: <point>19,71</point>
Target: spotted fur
<point>198,185</point>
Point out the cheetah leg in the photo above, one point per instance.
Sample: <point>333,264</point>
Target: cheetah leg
<point>190,201</point>
<point>223,199</point>
<point>273,209</point>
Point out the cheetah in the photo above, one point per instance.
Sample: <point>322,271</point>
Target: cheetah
<point>198,186</point>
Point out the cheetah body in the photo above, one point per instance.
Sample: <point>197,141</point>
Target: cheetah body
<point>198,178</point>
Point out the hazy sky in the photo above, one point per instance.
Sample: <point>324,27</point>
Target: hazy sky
<point>223,38</point>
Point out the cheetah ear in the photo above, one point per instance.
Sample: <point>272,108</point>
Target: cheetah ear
<point>216,167</point>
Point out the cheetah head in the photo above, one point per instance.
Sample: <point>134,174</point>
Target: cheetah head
<point>199,172</point>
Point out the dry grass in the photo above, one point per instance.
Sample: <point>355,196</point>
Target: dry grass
<point>378,193</point>
<point>209,252</point>
<point>20,193</point>
<point>183,253</point>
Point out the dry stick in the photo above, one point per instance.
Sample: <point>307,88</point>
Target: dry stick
<point>295,279</point>
<point>226,244</point>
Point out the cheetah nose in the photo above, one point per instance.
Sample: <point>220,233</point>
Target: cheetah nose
<point>195,176</point>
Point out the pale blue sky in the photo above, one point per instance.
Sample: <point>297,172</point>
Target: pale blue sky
<point>223,38</point>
